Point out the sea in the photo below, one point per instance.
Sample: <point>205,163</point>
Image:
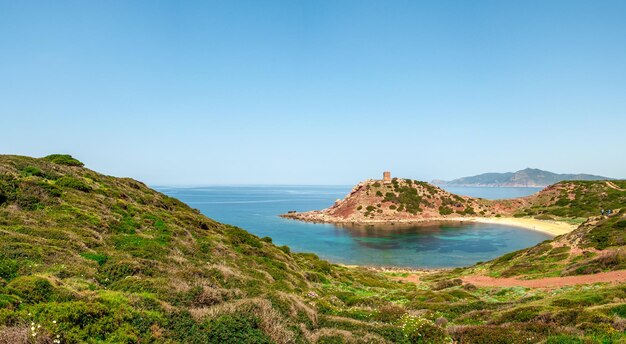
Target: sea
<point>255,208</point>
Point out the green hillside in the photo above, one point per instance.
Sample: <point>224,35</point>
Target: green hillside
<point>595,246</point>
<point>91,258</point>
<point>576,199</point>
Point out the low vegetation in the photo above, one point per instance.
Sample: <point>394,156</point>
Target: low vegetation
<point>88,258</point>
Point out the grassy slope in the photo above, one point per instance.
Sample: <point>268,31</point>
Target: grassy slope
<point>595,246</point>
<point>575,199</point>
<point>93,258</point>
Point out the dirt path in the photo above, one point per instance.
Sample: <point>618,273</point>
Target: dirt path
<point>548,282</point>
<point>613,186</point>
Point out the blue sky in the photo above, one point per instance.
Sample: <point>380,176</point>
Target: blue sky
<point>315,92</point>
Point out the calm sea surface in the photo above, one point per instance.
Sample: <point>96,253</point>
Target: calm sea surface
<point>256,209</point>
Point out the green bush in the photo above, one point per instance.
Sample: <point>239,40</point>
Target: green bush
<point>491,335</point>
<point>445,210</point>
<point>8,268</point>
<point>619,310</point>
<point>50,189</point>
<point>98,257</point>
<point>389,313</point>
<point>32,171</point>
<point>73,183</point>
<point>469,211</point>
<point>63,159</point>
<point>141,246</point>
<point>421,330</point>
<point>235,329</point>
<point>620,224</point>
<point>445,284</point>
<point>239,237</point>
<point>331,339</point>
<point>32,289</point>
<point>134,285</point>
<point>520,314</point>
<point>113,271</point>
<point>565,339</point>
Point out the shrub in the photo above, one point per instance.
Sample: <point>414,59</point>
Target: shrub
<point>134,285</point>
<point>285,249</point>
<point>73,183</point>
<point>445,210</point>
<point>565,339</point>
<point>379,194</point>
<point>266,239</point>
<point>359,207</point>
<point>140,246</point>
<point>445,284</point>
<point>113,271</point>
<point>33,289</point>
<point>620,224</point>
<point>562,202</point>
<point>32,171</point>
<point>469,211</point>
<point>236,329</point>
<point>490,335</point>
<point>239,237</point>
<point>619,310</point>
<point>520,314</point>
<point>370,208</point>
<point>8,268</point>
<point>63,159</point>
<point>99,258</point>
<point>421,330</point>
<point>50,189</point>
<point>389,313</point>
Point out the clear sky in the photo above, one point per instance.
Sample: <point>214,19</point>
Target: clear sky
<point>315,92</point>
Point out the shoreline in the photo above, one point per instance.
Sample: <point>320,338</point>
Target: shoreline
<point>551,227</point>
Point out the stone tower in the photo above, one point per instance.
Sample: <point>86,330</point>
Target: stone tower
<point>386,177</point>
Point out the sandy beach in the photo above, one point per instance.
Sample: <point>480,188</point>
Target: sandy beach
<point>550,227</point>
<point>553,228</point>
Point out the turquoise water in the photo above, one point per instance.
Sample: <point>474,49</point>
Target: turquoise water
<point>255,208</point>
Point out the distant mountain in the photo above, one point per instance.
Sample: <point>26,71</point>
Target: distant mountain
<point>530,177</point>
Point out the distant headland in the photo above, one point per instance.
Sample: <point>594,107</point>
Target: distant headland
<point>529,177</point>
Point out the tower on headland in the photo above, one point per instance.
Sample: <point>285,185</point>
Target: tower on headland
<point>386,177</point>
